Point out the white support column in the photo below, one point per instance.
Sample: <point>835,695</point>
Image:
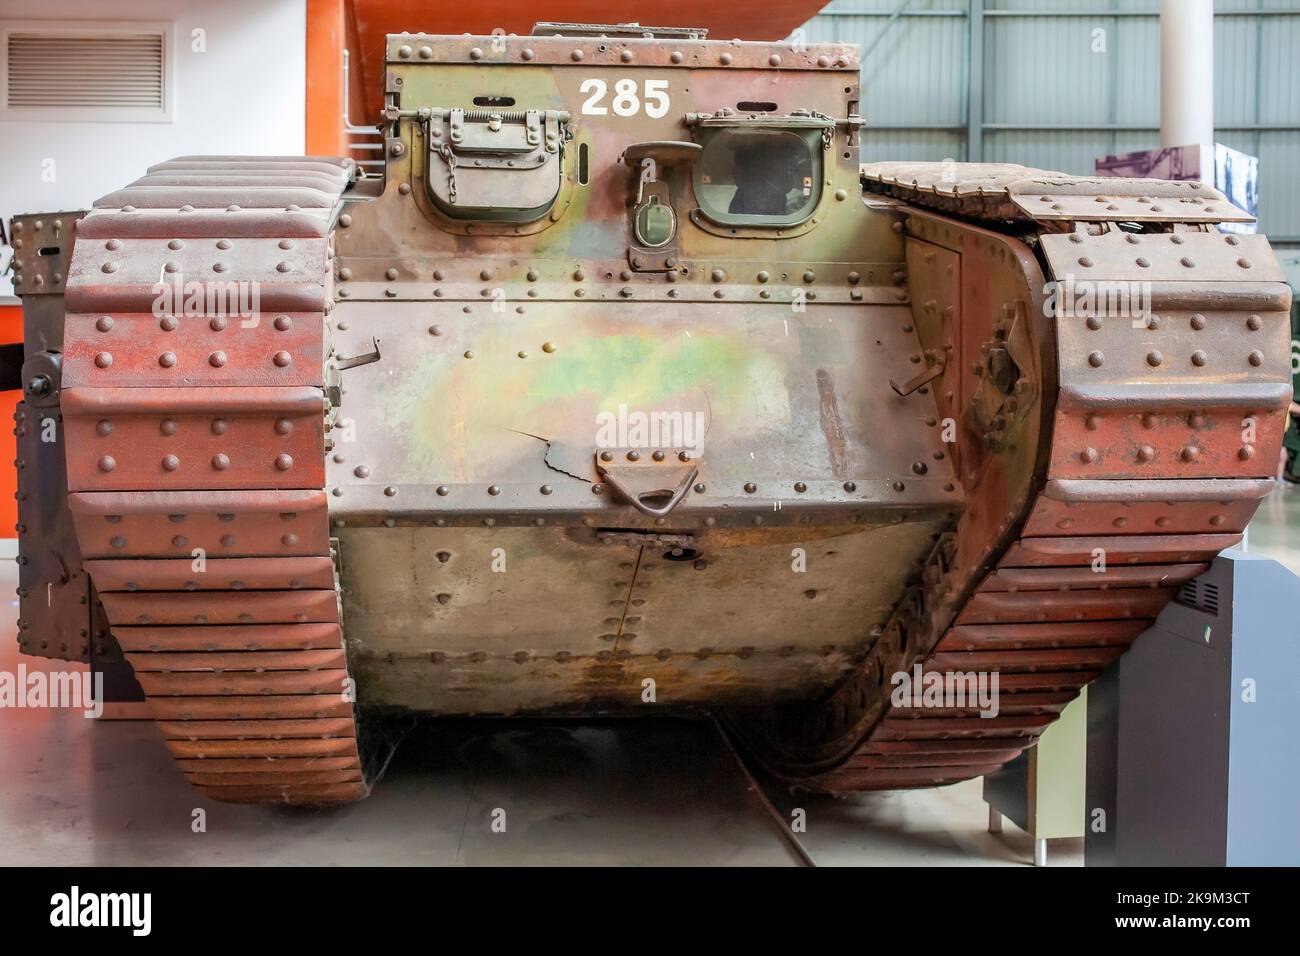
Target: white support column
<point>1186,72</point>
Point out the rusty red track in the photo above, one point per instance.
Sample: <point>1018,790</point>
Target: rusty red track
<point>196,466</point>
<point>1148,477</point>
<point>1046,626</point>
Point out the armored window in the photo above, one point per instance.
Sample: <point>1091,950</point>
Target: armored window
<point>489,164</point>
<point>759,176</point>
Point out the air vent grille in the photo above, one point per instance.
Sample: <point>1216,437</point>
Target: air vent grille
<point>1200,595</point>
<point>70,70</point>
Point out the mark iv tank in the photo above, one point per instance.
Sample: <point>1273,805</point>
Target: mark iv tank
<point>622,387</point>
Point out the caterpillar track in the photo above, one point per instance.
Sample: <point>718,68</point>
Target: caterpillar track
<point>196,443</point>
<point>960,419</point>
<point>1165,427</point>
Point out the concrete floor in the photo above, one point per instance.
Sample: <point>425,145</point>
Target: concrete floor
<point>1275,532</point>
<point>627,792</point>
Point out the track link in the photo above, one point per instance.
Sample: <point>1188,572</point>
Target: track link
<point>1163,435</point>
<point>194,404</point>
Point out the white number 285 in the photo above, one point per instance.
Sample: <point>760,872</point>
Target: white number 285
<point>626,101</point>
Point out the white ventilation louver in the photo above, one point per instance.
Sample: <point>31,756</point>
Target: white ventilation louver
<point>67,72</point>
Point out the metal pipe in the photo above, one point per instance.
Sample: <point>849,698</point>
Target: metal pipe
<point>1186,72</point>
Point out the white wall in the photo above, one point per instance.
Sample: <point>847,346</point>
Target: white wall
<point>245,94</point>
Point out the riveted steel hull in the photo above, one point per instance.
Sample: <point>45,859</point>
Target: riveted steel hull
<point>459,465</point>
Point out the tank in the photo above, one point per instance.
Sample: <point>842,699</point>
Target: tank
<point>623,387</point>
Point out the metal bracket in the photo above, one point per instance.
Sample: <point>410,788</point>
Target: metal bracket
<point>343,364</point>
<point>924,377</point>
<point>652,482</point>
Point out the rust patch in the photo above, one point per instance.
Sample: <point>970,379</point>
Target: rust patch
<point>831,425</point>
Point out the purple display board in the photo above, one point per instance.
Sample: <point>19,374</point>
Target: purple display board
<point>1233,173</point>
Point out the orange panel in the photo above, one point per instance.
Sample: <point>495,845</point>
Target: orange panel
<point>11,330</point>
<point>325,41</point>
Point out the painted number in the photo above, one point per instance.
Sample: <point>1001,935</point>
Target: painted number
<point>627,101</point>
<point>1295,356</point>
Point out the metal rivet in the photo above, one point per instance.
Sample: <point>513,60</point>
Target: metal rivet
<point>170,462</point>
<point>282,359</point>
<point>283,462</point>
<point>167,359</point>
<point>1256,357</point>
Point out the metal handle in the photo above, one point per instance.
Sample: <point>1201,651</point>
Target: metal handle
<point>635,499</point>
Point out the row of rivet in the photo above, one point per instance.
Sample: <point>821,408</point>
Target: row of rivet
<point>663,654</point>
<point>169,426</point>
<point>128,208</point>
<point>174,267</point>
<point>406,51</point>
<point>219,461</point>
<point>1214,521</point>
<point>227,541</point>
<point>597,488</point>
<point>1155,358</point>
<point>217,359</point>
<point>169,323</point>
